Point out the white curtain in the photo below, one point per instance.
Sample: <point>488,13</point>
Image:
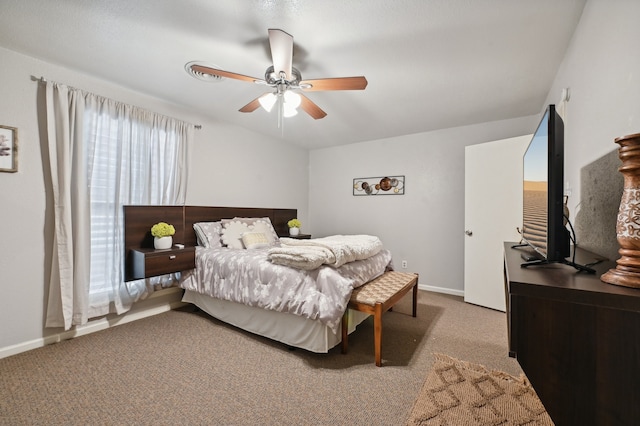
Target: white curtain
<point>103,155</point>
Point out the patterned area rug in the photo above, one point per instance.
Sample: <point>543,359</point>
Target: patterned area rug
<point>460,393</point>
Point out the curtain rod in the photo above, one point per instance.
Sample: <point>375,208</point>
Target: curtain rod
<point>44,80</point>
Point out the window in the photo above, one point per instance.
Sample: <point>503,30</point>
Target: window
<point>102,155</point>
<point>131,159</point>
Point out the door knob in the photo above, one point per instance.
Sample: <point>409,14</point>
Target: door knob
<point>468,232</point>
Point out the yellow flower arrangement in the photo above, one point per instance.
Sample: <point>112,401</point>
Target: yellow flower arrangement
<point>162,229</point>
<point>294,223</point>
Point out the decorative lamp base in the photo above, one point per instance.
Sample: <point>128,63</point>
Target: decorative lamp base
<point>625,279</point>
<point>627,271</point>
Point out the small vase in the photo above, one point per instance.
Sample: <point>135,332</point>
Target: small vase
<point>294,231</point>
<point>162,242</point>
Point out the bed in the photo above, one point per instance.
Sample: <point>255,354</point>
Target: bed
<point>298,307</point>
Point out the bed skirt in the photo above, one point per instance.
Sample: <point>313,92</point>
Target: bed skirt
<point>286,328</point>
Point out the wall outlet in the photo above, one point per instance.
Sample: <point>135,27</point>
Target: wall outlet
<point>404,264</point>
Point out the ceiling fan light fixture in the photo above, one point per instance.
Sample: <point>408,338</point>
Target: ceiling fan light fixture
<point>289,111</point>
<point>291,102</point>
<point>267,101</point>
<point>291,99</point>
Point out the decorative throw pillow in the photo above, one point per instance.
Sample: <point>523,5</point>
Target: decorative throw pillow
<point>257,224</point>
<point>254,240</point>
<point>232,231</point>
<point>208,234</point>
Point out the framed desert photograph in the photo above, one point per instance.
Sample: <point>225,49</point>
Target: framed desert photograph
<point>8,149</point>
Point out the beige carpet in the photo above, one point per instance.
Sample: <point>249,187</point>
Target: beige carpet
<point>185,368</point>
<point>461,393</point>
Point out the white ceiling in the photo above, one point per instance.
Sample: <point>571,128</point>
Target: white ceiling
<point>431,64</point>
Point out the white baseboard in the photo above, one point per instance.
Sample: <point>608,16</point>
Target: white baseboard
<point>441,290</point>
<point>93,326</point>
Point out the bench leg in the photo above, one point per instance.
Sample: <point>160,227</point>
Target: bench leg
<point>345,331</point>
<point>415,299</point>
<point>377,333</point>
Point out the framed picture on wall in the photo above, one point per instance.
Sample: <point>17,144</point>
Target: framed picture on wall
<point>8,149</point>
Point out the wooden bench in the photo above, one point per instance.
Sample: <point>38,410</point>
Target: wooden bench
<point>377,297</point>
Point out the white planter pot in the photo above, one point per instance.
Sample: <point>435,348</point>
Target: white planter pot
<point>162,242</point>
<point>294,231</point>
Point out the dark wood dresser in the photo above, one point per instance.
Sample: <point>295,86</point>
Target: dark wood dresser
<point>576,338</point>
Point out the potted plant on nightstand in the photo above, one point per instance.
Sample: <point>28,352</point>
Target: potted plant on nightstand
<point>163,235</point>
<point>294,226</point>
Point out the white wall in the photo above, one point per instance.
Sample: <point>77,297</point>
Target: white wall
<point>232,166</point>
<point>229,166</point>
<point>425,226</point>
<point>602,69</point>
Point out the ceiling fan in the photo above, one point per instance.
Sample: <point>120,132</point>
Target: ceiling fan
<point>284,79</point>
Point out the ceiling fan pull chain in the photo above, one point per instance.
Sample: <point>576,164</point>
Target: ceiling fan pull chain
<point>281,112</point>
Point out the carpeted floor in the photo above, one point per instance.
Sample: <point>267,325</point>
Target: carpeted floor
<point>183,367</point>
<point>462,393</point>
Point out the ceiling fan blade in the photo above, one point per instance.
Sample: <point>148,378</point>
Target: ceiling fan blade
<point>253,105</point>
<point>311,108</point>
<point>340,83</point>
<point>221,73</point>
<point>281,52</point>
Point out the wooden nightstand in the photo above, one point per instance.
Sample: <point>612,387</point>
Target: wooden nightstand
<point>299,236</point>
<point>148,262</point>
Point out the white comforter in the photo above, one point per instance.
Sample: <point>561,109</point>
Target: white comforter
<point>335,251</point>
<point>248,277</point>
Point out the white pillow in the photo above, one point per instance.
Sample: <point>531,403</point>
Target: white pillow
<point>208,234</point>
<point>266,229</point>
<point>257,224</point>
<point>232,231</point>
<point>254,240</point>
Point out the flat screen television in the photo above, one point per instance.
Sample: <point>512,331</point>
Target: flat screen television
<point>543,225</point>
<point>544,220</point>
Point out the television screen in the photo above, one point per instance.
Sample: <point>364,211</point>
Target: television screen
<point>535,189</point>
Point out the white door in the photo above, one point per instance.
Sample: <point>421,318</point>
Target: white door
<point>493,212</point>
